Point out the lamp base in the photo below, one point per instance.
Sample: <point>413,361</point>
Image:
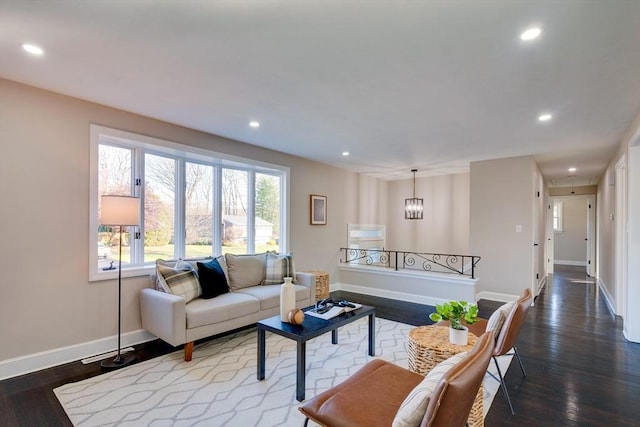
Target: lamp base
<point>120,361</point>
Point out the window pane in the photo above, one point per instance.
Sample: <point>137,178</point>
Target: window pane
<point>159,207</point>
<point>267,236</point>
<point>114,178</point>
<point>234,211</point>
<point>198,210</point>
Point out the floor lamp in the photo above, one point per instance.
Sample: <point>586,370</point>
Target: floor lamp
<point>119,211</point>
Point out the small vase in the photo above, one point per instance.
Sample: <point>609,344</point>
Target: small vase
<point>287,299</point>
<point>459,336</point>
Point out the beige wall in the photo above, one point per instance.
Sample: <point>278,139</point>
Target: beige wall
<point>570,244</point>
<point>502,198</point>
<point>606,208</point>
<point>445,227</point>
<point>46,301</point>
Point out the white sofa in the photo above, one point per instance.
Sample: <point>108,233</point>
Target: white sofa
<point>177,321</point>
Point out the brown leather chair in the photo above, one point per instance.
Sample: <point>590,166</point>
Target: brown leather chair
<point>506,339</point>
<point>508,335</point>
<point>372,396</point>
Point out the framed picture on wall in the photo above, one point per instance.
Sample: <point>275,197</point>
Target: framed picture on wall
<point>318,209</point>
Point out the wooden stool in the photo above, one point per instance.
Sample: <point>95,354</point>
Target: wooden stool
<point>428,346</point>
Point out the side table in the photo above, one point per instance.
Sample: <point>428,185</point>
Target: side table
<point>428,346</point>
<point>322,283</point>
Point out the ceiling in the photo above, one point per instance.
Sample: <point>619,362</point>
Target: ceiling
<point>431,85</point>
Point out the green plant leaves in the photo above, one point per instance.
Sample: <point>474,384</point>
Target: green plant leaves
<point>456,312</point>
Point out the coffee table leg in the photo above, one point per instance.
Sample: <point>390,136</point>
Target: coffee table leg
<point>261,353</point>
<point>372,335</point>
<point>334,336</point>
<point>301,370</point>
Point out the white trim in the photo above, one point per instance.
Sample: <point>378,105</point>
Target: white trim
<point>496,296</point>
<point>37,361</point>
<point>566,262</point>
<point>384,271</point>
<point>384,293</point>
<point>607,297</point>
<point>541,284</point>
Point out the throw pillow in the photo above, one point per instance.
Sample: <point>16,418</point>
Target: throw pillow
<point>181,282</point>
<point>497,319</point>
<point>413,408</point>
<point>212,279</point>
<point>161,285</point>
<point>277,267</point>
<point>245,270</point>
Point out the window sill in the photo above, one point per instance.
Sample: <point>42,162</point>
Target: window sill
<point>98,276</point>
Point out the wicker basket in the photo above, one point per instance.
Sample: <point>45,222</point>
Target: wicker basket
<point>322,283</point>
<point>428,346</point>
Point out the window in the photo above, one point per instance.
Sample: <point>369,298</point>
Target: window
<point>557,215</point>
<point>196,203</point>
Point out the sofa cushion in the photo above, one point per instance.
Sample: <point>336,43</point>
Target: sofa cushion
<point>212,279</point>
<point>269,296</point>
<point>277,267</point>
<point>413,408</point>
<point>203,312</point>
<point>245,270</point>
<point>180,282</point>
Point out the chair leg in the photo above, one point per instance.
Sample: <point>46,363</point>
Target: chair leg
<point>504,385</point>
<point>519,360</point>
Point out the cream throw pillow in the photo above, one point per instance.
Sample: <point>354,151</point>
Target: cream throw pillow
<point>245,270</point>
<point>413,408</point>
<point>497,319</point>
<point>180,282</point>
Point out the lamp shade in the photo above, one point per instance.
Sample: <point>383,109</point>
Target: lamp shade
<point>120,210</point>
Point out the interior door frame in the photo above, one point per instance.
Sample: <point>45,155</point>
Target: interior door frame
<point>620,218</point>
<point>591,235</point>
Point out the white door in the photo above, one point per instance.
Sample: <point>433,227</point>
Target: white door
<point>591,236</point>
<point>548,243</point>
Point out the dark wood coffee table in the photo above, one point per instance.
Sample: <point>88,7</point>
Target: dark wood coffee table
<point>311,327</point>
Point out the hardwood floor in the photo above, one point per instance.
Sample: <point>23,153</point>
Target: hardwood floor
<point>580,369</point>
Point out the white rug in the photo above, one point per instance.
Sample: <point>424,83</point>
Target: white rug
<point>219,386</point>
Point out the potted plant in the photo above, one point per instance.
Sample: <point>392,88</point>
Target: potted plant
<point>457,313</point>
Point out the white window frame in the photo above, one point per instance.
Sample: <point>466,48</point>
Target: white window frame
<point>557,204</point>
<point>183,153</point>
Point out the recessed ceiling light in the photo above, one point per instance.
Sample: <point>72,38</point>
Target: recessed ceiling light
<point>572,169</point>
<point>254,124</point>
<point>345,153</point>
<point>544,117</point>
<point>531,34</point>
<point>31,48</point>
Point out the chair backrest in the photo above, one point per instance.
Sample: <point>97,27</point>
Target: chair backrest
<point>512,325</point>
<point>451,401</point>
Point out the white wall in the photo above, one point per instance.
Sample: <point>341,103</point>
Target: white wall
<point>445,227</point>
<point>46,301</point>
<point>502,227</point>
<point>570,246</point>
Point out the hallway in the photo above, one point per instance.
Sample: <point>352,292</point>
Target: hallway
<point>580,369</point>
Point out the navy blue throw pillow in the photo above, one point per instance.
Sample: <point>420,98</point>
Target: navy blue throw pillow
<point>212,279</point>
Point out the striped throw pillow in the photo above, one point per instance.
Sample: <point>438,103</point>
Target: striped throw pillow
<point>412,410</point>
<point>181,282</point>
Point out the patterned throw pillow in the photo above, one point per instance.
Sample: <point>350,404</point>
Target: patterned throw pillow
<point>497,319</point>
<point>412,410</point>
<point>180,282</point>
<point>212,279</point>
<point>277,267</point>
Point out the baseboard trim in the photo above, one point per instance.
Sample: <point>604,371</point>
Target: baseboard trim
<point>496,296</point>
<point>35,362</point>
<point>400,296</point>
<point>608,299</point>
<point>566,262</point>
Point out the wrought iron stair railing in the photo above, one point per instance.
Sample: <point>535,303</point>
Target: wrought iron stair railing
<point>463,265</point>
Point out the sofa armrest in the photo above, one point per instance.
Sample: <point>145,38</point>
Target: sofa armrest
<point>308,280</point>
<point>164,315</point>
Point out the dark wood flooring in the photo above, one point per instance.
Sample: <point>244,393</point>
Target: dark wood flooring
<point>581,370</point>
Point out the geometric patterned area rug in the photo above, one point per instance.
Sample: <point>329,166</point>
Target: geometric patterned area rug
<point>219,386</point>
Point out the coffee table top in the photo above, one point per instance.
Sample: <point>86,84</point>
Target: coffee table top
<point>312,327</point>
